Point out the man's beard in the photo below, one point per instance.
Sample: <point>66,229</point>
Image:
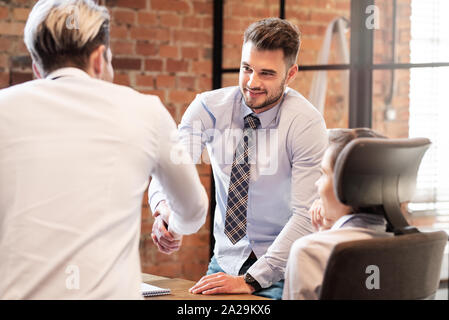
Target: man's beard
<point>270,99</point>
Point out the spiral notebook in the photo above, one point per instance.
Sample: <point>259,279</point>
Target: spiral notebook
<point>149,290</point>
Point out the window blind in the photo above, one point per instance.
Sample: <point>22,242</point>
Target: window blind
<point>429,101</point>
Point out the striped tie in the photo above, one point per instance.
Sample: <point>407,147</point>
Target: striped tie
<point>235,223</point>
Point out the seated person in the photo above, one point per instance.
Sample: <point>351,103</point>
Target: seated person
<point>336,223</point>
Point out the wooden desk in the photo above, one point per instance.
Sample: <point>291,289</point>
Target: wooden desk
<point>180,290</point>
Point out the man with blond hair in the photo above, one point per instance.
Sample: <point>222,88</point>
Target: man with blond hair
<point>76,154</point>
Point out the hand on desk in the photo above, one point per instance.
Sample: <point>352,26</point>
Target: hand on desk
<point>165,239</point>
<point>221,283</point>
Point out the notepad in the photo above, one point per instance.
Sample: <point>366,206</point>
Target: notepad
<point>149,290</point>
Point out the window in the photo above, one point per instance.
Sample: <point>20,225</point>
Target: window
<point>429,96</point>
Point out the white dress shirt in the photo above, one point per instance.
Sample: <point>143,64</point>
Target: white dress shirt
<point>309,255</point>
<point>76,154</point>
<point>291,141</point>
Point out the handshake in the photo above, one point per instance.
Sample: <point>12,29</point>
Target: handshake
<point>163,237</point>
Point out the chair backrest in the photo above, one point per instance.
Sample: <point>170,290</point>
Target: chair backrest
<point>382,172</point>
<point>402,267</point>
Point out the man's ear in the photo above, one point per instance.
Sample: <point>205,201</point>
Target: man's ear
<point>36,71</point>
<point>96,61</point>
<point>291,73</point>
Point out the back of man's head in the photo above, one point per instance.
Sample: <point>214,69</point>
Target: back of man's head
<point>64,33</point>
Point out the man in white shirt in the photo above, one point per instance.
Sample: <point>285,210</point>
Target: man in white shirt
<point>76,154</point>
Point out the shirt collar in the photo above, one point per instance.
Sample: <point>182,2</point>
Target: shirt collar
<point>67,72</point>
<point>266,117</point>
<point>341,221</point>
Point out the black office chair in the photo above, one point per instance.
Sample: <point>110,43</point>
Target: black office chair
<point>381,173</point>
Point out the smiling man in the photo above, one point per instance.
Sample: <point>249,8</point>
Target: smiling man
<point>262,196</point>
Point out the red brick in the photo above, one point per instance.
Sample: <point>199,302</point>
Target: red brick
<point>144,33</point>
<point>20,77</point>
<point>170,5</point>
<point>119,32</point>
<point>322,16</point>
<point>146,227</point>
<point>133,4</point>
<point>187,82</point>
<point>191,22</point>
<point>168,52</point>
<point>5,44</point>
<point>343,5</point>
<point>208,23</point>
<point>4,12</point>
<point>144,81</point>
<point>12,28</point>
<point>124,16</point>
<point>146,48</point>
<point>122,47</point>
<point>153,65</point>
<point>4,79</point>
<point>170,20</point>
<point>181,96</point>
<point>177,65</point>
<point>21,14</point>
<point>203,7</point>
<point>205,83</point>
<point>165,81</point>
<point>202,67</point>
<point>3,61</point>
<point>233,38</point>
<point>127,63</point>
<point>190,52</point>
<point>232,24</point>
<point>147,19</point>
<point>199,37</point>
<point>122,79</point>
<point>21,48</point>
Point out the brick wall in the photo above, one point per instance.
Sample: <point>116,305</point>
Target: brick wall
<point>164,47</point>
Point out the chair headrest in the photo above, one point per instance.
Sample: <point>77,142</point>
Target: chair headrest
<point>368,167</point>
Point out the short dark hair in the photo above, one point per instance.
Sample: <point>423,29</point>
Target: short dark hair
<point>274,34</point>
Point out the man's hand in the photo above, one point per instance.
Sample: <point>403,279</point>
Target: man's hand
<point>166,241</point>
<point>221,283</point>
<point>318,216</point>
